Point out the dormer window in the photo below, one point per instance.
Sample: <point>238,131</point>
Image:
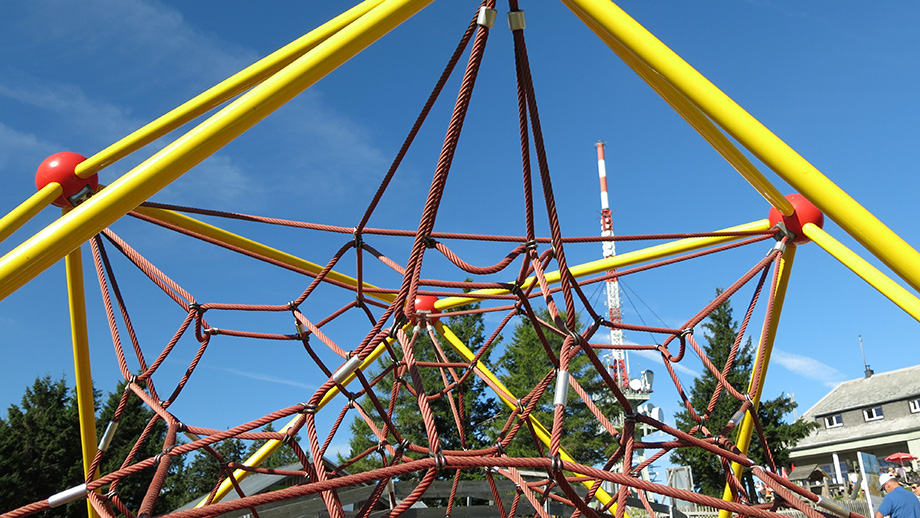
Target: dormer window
<point>833,421</point>
<point>915,406</point>
<point>873,414</point>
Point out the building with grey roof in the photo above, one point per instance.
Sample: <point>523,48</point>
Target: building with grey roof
<point>877,414</point>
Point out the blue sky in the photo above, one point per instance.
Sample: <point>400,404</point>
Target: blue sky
<point>837,81</point>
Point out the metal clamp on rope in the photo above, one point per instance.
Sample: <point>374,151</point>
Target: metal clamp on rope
<point>440,461</point>
<point>107,436</point>
<point>833,507</point>
<point>499,448</point>
<point>516,21</point>
<point>530,245</point>
<point>684,332</point>
<point>213,331</point>
<point>398,322</point>
<point>309,408</point>
<point>346,370</point>
<point>159,456</point>
<point>359,242</point>
<point>557,463</point>
<point>780,245</point>
<point>196,307</point>
<point>739,415</point>
<point>783,232</point>
<point>486,17</point>
<point>84,194</point>
<point>520,406</point>
<point>65,497</point>
<point>301,331</point>
<point>562,388</point>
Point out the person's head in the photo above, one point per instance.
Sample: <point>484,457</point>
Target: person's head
<point>915,487</point>
<point>887,482</point>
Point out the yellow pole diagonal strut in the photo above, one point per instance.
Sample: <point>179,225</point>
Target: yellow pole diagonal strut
<point>26,210</point>
<point>618,261</point>
<point>229,238</point>
<point>878,280</point>
<point>58,239</point>
<point>83,374</point>
<point>222,92</point>
<point>767,147</point>
<point>542,433</point>
<point>743,436</point>
<point>702,124</point>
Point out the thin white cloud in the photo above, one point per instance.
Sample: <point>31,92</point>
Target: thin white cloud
<point>14,144</point>
<point>263,377</point>
<point>809,368</point>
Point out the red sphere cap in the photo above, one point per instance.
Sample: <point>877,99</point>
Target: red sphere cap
<point>804,212</point>
<point>59,168</point>
<point>426,303</point>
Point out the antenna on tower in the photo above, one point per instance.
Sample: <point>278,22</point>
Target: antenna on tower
<point>617,362</point>
<point>869,372</point>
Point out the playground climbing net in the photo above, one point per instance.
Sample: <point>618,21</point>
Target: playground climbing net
<point>366,377</point>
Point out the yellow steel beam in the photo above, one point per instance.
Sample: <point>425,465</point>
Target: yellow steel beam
<point>743,437</point>
<point>619,261</point>
<point>767,147</point>
<point>694,117</point>
<point>229,238</point>
<point>878,280</point>
<point>58,239</point>
<point>28,209</point>
<point>83,374</point>
<point>222,92</point>
<point>542,433</point>
<point>590,268</point>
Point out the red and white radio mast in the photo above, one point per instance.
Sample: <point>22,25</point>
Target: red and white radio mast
<point>617,357</point>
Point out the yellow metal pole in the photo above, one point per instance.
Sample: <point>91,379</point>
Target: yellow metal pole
<point>591,268</point>
<point>878,280</point>
<point>28,209</point>
<point>695,118</point>
<point>229,238</point>
<point>222,92</point>
<point>743,437</point>
<point>767,147</point>
<point>86,403</point>
<point>542,433</point>
<point>58,239</point>
<point>620,260</point>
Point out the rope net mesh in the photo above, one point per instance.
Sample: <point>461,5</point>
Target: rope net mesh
<point>409,352</point>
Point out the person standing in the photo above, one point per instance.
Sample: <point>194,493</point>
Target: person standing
<point>899,502</point>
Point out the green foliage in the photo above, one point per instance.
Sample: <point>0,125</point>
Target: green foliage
<point>283,456</point>
<point>40,451</point>
<point>524,364</point>
<point>203,472</point>
<point>708,471</point>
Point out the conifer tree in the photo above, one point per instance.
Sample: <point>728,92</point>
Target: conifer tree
<point>708,471</point>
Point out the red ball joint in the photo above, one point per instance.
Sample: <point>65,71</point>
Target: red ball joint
<point>804,212</point>
<point>425,303</point>
<point>60,168</point>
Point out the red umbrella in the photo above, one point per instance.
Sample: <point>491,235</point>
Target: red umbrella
<point>900,457</point>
